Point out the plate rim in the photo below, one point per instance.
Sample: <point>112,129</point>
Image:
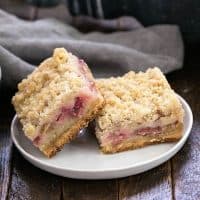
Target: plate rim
<point>168,154</point>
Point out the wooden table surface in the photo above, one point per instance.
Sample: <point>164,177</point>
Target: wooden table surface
<point>178,178</point>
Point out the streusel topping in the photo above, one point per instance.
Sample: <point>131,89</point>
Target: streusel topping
<point>135,99</point>
<point>55,80</point>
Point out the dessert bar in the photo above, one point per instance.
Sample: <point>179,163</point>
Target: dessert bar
<point>140,109</point>
<point>56,100</point>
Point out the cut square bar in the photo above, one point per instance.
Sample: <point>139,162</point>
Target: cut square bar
<point>56,100</point>
<point>140,109</point>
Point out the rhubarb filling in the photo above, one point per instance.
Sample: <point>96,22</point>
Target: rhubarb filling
<point>66,116</point>
<point>85,73</point>
<point>123,134</point>
<point>71,111</point>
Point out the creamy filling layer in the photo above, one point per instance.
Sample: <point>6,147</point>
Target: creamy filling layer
<point>120,135</point>
<point>66,117</point>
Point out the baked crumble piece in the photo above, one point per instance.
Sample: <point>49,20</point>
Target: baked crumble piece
<point>140,109</point>
<point>56,100</point>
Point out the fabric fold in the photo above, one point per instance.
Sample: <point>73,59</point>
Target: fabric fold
<point>24,44</point>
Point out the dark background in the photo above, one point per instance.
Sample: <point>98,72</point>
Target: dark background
<point>185,13</point>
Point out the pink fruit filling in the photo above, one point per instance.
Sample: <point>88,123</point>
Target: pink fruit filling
<point>72,111</point>
<point>148,131</point>
<point>84,72</point>
<point>123,134</point>
<point>119,136</point>
<point>36,141</point>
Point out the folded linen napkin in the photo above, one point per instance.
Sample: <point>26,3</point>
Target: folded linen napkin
<point>24,44</point>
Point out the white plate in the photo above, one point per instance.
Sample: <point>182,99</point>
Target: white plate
<point>82,158</point>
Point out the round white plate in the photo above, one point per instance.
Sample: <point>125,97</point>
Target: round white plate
<point>82,158</point>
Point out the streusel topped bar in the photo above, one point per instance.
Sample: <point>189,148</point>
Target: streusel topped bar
<point>137,105</point>
<point>56,100</point>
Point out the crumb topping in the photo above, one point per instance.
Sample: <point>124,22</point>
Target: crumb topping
<point>135,99</point>
<point>56,80</point>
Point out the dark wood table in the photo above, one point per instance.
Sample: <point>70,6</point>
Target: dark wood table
<point>178,178</point>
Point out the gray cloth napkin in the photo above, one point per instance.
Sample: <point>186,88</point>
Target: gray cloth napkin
<point>24,42</point>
